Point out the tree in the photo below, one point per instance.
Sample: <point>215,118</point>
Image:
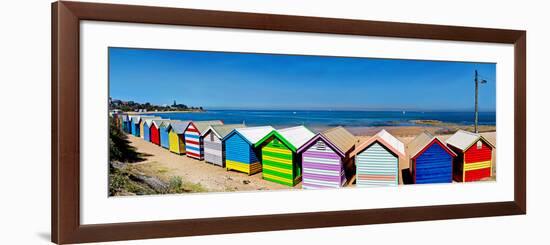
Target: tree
<point>119,146</point>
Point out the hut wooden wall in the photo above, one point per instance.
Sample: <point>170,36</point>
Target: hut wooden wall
<point>125,126</point>
<point>322,167</point>
<point>213,149</point>
<point>146,132</point>
<point>176,142</point>
<point>141,131</point>
<point>164,137</point>
<point>154,135</point>
<point>279,164</point>
<point>193,143</point>
<point>433,165</point>
<point>477,162</point>
<point>135,128</point>
<point>240,156</point>
<point>129,126</point>
<point>376,166</point>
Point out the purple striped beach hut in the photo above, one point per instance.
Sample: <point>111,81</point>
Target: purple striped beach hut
<point>326,159</point>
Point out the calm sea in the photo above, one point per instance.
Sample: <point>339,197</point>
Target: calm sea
<point>283,118</point>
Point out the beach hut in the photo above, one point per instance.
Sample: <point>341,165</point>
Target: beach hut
<point>124,123</point>
<point>164,130</point>
<point>474,160</point>
<point>241,153</point>
<point>431,161</point>
<point>194,146</point>
<point>142,126</point>
<point>214,149</point>
<point>326,159</point>
<point>155,130</point>
<point>176,138</point>
<point>281,162</point>
<point>377,160</point>
<point>147,123</point>
<point>120,121</point>
<point>128,124</point>
<point>134,125</point>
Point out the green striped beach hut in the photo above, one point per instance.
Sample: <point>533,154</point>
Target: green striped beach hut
<point>280,160</point>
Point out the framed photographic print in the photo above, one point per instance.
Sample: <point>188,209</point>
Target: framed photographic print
<point>177,122</point>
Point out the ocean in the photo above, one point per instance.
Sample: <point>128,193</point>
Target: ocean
<point>323,119</point>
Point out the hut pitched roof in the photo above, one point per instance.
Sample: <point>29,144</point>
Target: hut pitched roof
<point>464,139</point>
<point>141,118</point>
<point>340,138</point>
<point>297,136</point>
<point>149,121</point>
<point>134,119</point>
<point>421,141</point>
<point>222,130</point>
<point>202,126</point>
<point>386,139</point>
<point>252,134</point>
<point>179,126</point>
<point>166,123</point>
<point>159,122</point>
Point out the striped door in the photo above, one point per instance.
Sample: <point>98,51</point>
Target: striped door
<point>213,149</point>
<point>376,166</point>
<point>193,146</point>
<point>322,168</point>
<point>277,163</point>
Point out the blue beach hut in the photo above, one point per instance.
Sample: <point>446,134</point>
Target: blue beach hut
<point>134,125</point>
<point>241,153</point>
<point>124,123</point>
<point>431,161</point>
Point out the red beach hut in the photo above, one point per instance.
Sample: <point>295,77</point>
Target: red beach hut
<point>155,132</point>
<point>474,159</point>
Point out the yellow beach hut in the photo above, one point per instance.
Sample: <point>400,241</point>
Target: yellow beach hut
<point>176,139</point>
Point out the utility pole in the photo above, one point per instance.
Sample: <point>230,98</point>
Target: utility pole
<point>476,116</point>
<point>477,81</point>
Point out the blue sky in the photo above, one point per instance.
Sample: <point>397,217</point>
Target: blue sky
<point>220,80</point>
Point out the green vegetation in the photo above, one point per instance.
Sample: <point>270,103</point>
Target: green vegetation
<point>193,187</point>
<point>128,179</point>
<point>135,106</point>
<point>121,183</point>
<point>119,146</point>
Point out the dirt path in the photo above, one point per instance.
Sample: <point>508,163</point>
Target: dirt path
<point>206,177</point>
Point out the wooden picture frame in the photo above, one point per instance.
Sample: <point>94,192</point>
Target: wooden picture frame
<point>65,178</point>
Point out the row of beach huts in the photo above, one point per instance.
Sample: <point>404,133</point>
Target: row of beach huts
<point>328,159</point>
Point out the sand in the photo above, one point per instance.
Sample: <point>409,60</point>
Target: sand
<point>164,164</point>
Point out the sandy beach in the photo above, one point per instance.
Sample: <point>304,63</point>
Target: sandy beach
<point>164,164</point>
<point>205,177</point>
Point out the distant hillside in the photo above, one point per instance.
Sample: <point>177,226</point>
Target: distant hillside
<point>128,106</point>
